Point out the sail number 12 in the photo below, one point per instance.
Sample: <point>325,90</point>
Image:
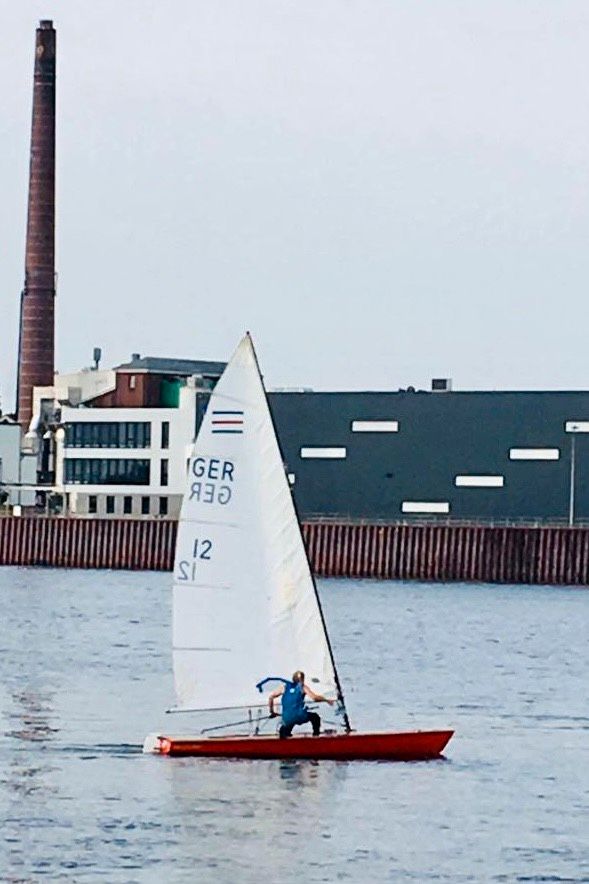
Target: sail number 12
<point>201,551</point>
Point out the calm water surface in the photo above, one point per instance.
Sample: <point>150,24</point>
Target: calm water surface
<point>85,674</point>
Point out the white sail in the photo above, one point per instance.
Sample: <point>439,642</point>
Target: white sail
<point>245,606</point>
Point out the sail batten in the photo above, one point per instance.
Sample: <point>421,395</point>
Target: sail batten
<point>198,648</point>
<point>241,575</point>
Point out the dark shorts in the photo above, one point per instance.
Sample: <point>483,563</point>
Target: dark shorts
<point>286,729</point>
<point>301,718</point>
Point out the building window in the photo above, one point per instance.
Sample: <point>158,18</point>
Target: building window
<point>164,471</point>
<point>534,453</point>
<point>110,504</point>
<point>423,506</point>
<point>165,434</point>
<point>145,506</point>
<point>127,505</point>
<point>375,426</point>
<point>108,434</point>
<point>107,471</point>
<point>92,503</point>
<point>132,381</point>
<point>137,435</point>
<point>324,453</point>
<point>471,481</point>
<point>163,506</point>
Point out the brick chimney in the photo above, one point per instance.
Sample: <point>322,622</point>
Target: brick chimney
<point>37,313</point>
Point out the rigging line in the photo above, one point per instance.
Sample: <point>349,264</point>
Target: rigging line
<point>175,710</point>
<point>340,693</point>
<point>218,727</point>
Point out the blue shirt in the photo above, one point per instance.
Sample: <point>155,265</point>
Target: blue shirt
<point>294,710</point>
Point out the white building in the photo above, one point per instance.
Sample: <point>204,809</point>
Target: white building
<point>121,438</point>
<point>125,461</point>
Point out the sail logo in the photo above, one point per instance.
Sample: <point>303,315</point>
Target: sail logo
<point>211,472</point>
<point>227,422</point>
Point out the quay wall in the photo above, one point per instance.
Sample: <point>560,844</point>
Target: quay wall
<point>429,552</point>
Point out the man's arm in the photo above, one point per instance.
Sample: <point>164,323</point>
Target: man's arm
<point>317,698</point>
<point>271,697</point>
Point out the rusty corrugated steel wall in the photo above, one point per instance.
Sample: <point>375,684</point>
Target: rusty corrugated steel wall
<point>472,553</point>
<point>433,552</point>
<point>37,333</point>
<point>88,543</point>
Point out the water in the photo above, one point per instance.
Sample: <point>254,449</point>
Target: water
<point>85,675</point>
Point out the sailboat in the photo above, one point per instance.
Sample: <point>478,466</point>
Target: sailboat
<point>245,604</point>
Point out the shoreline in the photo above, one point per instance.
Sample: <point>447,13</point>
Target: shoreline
<point>444,552</point>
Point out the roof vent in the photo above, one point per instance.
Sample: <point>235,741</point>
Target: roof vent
<point>135,357</point>
<point>441,385</point>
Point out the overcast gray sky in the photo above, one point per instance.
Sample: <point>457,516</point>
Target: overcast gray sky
<point>382,191</point>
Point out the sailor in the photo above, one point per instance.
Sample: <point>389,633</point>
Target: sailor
<point>294,711</point>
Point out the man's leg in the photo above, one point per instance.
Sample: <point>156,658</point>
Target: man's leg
<point>315,723</point>
<point>285,731</point>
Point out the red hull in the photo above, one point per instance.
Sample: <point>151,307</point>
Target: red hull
<point>412,746</point>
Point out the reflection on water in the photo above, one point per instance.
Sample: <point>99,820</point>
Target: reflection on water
<point>32,712</point>
<point>31,715</point>
<point>230,816</point>
<point>85,675</point>
<point>26,779</point>
<point>301,772</point>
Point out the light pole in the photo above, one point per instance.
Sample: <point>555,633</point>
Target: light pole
<point>573,433</point>
<point>574,427</point>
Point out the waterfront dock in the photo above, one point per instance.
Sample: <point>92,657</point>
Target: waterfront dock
<point>526,554</point>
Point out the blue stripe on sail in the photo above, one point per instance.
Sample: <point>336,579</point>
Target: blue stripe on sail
<point>227,412</point>
<point>227,431</point>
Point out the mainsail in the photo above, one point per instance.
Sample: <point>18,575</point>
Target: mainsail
<point>245,605</point>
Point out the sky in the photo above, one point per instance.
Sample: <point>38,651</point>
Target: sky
<point>381,191</point>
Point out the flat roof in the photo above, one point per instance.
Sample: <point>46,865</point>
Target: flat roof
<point>165,365</point>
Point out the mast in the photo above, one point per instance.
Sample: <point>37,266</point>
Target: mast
<point>340,693</point>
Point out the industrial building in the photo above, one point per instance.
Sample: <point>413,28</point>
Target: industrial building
<point>414,455</point>
<point>121,440</point>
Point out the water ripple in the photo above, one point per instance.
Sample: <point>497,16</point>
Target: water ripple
<point>85,675</point>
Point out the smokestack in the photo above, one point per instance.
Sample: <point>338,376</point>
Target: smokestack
<point>37,323</point>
